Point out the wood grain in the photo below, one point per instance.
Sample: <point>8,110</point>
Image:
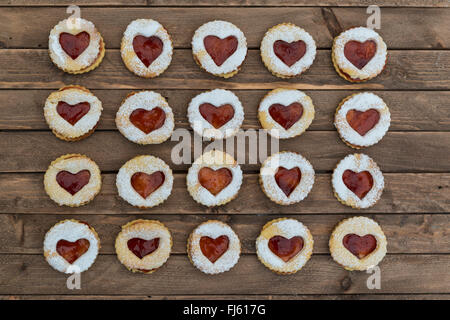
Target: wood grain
<point>406,70</point>
<point>410,110</point>
<point>413,210</point>
<point>414,151</point>
<point>420,29</point>
<point>412,234</point>
<point>404,193</point>
<point>30,274</point>
<point>219,3</point>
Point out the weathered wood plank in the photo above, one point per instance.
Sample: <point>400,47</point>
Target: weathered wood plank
<point>410,70</point>
<point>419,28</point>
<point>266,3</point>
<point>30,274</point>
<point>23,109</point>
<point>411,234</point>
<point>235,297</point>
<point>404,193</point>
<point>414,151</point>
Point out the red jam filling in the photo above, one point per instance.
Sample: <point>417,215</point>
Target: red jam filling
<point>288,180</point>
<point>359,183</point>
<point>220,49</point>
<point>141,247</point>
<point>213,249</point>
<point>72,113</point>
<point>148,120</point>
<point>214,180</point>
<point>360,53</point>
<point>284,248</point>
<point>71,251</point>
<point>362,122</point>
<point>286,116</point>
<point>145,184</point>
<point>74,45</point>
<point>73,183</point>
<point>217,116</point>
<point>360,246</point>
<point>147,48</point>
<point>291,52</point>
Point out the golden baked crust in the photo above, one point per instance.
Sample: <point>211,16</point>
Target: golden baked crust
<point>149,165</point>
<point>89,59</point>
<point>291,32</point>
<point>63,230</point>
<point>84,127</point>
<point>346,73</point>
<point>357,162</point>
<point>72,163</point>
<point>286,159</point>
<point>342,126</point>
<point>144,100</point>
<point>278,227</point>
<point>360,226</point>
<point>144,229</point>
<point>132,61</point>
<point>220,29</point>
<point>213,229</point>
<point>286,97</point>
<point>214,159</point>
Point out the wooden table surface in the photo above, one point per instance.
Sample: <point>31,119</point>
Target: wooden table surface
<point>414,154</point>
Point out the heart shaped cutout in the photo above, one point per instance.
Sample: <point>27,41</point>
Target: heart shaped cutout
<point>213,249</point>
<point>220,49</point>
<point>214,180</point>
<point>216,116</point>
<point>359,183</point>
<point>284,248</point>
<point>148,49</point>
<point>289,52</point>
<point>72,113</point>
<point>141,247</point>
<point>71,251</point>
<point>74,45</point>
<point>286,116</point>
<point>360,246</point>
<point>148,120</point>
<point>73,183</point>
<point>145,184</point>
<point>361,121</point>
<point>288,180</point>
<point>360,53</point>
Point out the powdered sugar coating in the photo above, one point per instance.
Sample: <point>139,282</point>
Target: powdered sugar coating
<point>146,28</point>
<point>363,102</point>
<point>360,226</point>
<point>222,30</point>
<point>215,160</point>
<point>72,96</point>
<point>72,163</point>
<point>74,26</point>
<point>286,97</point>
<point>361,34</point>
<point>287,160</point>
<point>146,230</point>
<point>70,230</point>
<point>287,32</point>
<point>216,97</point>
<point>146,100</point>
<point>214,229</point>
<point>286,228</point>
<point>148,165</point>
<point>358,162</point>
